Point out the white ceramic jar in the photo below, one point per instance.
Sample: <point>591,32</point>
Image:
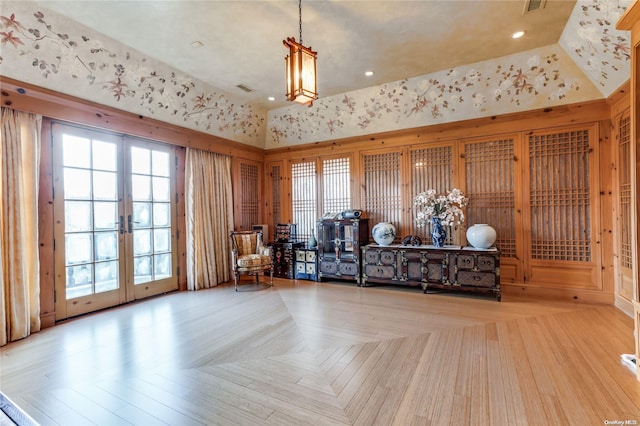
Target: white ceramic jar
<point>481,235</point>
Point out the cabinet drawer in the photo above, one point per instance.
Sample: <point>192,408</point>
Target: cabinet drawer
<point>328,267</point>
<point>300,267</point>
<point>486,263</point>
<point>434,256</point>
<point>384,257</point>
<point>477,279</point>
<point>350,269</point>
<point>409,256</point>
<point>465,261</point>
<point>310,268</point>
<point>379,271</point>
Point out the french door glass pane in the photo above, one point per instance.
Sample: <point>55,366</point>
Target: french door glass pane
<point>77,216</point>
<point>106,245</point>
<point>77,184</point>
<point>141,188</point>
<point>161,163</point>
<point>140,161</point>
<point>79,281</point>
<point>105,186</point>
<point>161,214</point>
<point>142,269</point>
<point>142,214</point>
<point>161,240</point>
<point>105,215</point>
<point>106,276</point>
<point>141,242</point>
<point>76,152</point>
<point>162,266</point>
<point>105,156</point>
<point>161,189</point>
<point>79,248</point>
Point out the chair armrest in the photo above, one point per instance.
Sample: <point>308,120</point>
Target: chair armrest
<point>234,259</point>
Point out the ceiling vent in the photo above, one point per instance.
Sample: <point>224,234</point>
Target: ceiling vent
<point>531,5</point>
<point>245,88</point>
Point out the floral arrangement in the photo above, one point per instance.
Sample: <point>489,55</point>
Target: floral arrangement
<point>447,208</point>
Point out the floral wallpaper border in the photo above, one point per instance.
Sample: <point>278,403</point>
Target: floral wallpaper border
<point>539,78</point>
<point>48,50</point>
<point>592,41</point>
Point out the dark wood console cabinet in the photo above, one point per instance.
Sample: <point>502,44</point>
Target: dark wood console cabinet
<point>284,258</point>
<point>339,244</point>
<point>449,268</point>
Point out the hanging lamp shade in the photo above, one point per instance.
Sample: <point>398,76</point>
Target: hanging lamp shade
<point>301,73</point>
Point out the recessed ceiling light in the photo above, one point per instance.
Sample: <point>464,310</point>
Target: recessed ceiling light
<point>271,98</point>
<point>517,34</point>
<point>197,43</point>
<point>369,73</point>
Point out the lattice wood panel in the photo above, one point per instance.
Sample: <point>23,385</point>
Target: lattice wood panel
<point>431,168</point>
<point>276,178</point>
<point>489,167</point>
<point>560,196</point>
<point>250,195</point>
<point>304,201</point>
<point>336,185</point>
<point>624,188</point>
<point>383,195</point>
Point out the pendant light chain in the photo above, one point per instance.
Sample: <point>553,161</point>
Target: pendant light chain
<point>300,18</point>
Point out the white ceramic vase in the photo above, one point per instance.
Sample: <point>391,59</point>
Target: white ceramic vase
<point>384,233</point>
<point>481,235</point>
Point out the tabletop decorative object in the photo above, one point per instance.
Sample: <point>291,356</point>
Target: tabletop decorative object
<point>440,210</point>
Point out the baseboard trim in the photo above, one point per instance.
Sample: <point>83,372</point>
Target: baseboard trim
<point>564,294</point>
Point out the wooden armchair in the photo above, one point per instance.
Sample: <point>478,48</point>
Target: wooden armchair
<point>249,256</point>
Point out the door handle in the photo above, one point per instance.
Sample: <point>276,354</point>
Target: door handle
<point>130,223</point>
<point>121,224</point>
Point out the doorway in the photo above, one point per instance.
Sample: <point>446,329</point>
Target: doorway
<point>114,219</point>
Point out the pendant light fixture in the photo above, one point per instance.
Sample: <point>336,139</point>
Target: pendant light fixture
<point>301,69</point>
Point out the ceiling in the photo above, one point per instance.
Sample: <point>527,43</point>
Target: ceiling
<point>242,39</point>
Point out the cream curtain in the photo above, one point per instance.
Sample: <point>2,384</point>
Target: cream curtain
<point>209,211</point>
<point>19,168</point>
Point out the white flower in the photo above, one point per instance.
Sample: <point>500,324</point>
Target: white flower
<point>538,82</point>
<point>589,33</point>
<point>533,61</point>
<point>506,84</point>
<point>423,85</point>
<point>447,208</point>
<point>478,100</point>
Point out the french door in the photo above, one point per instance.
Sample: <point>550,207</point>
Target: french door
<point>114,224</point>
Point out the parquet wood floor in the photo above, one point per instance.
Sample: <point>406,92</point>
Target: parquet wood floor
<point>304,353</point>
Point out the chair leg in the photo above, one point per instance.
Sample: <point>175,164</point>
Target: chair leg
<point>236,278</point>
<point>271,277</point>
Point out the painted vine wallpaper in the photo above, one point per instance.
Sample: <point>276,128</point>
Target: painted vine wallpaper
<point>539,78</point>
<point>48,50</point>
<point>590,61</point>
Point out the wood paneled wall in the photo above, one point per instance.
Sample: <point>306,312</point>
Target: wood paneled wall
<point>543,178</point>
